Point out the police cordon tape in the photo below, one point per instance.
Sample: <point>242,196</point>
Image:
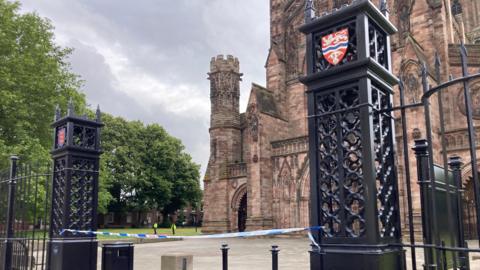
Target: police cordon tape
<point>207,236</point>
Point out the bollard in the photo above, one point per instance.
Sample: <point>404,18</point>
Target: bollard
<point>224,250</point>
<point>275,251</point>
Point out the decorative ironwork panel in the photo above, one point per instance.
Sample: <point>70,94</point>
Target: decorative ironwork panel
<point>319,62</point>
<point>378,45</point>
<point>58,199</point>
<point>352,162</point>
<point>340,168</point>
<point>82,186</point>
<point>385,165</point>
<point>84,136</point>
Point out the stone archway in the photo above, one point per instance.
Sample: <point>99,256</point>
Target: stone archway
<point>469,212</point>
<point>469,206</point>
<point>239,206</point>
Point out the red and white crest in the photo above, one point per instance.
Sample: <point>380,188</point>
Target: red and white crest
<point>61,137</point>
<point>335,45</point>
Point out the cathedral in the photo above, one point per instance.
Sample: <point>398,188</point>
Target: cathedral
<point>258,172</point>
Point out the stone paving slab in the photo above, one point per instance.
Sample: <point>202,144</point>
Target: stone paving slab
<point>249,254</point>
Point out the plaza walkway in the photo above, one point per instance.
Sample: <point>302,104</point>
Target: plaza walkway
<point>244,254</point>
<point>251,254</point>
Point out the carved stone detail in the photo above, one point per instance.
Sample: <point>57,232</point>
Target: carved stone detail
<point>287,147</point>
<point>253,122</point>
<point>291,189</point>
<point>213,149</point>
<point>475,95</point>
<point>237,170</point>
<point>410,74</point>
<point>416,133</point>
<point>340,3</point>
<point>404,10</point>
<point>292,55</point>
<point>458,139</point>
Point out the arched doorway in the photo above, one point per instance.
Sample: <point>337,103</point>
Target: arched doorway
<point>469,211</point>
<point>242,214</point>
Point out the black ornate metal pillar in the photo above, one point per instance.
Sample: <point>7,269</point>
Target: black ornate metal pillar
<point>75,154</point>
<point>423,174</point>
<point>354,193</point>
<point>455,163</point>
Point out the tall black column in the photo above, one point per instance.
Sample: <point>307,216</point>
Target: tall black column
<point>423,175</point>
<point>354,192</point>
<point>75,154</point>
<point>455,163</point>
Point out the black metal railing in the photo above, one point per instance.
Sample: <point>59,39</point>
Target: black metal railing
<point>24,215</point>
<point>447,169</point>
<point>225,248</point>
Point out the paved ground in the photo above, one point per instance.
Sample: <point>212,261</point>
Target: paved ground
<point>250,254</point>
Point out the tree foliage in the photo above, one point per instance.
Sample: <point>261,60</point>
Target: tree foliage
<point>143,167</point>
<point>35,76</point>
<point>146,168</point>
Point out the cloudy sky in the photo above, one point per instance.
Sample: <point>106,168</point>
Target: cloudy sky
<point>147,60</point>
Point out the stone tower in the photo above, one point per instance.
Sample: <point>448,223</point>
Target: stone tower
<point>225,135</point>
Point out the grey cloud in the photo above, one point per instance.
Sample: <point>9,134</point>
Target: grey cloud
<point>171,41</point>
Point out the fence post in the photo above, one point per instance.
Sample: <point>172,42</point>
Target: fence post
<point>224,250</point>
<point>7,256</point>
<point>354,180</point>
<point>275,251</point>
<point>455,163</point>
<point>76,163</point>
<point>423,175</point>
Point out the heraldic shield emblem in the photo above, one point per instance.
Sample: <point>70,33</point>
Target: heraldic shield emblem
<point>335,45</point>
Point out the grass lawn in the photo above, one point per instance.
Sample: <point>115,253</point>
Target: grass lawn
<point>180,231</point>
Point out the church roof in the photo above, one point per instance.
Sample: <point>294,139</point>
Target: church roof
<point>266,101</point>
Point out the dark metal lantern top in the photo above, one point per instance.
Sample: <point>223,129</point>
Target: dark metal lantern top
<point>77,133</point>
<point>371,55</point>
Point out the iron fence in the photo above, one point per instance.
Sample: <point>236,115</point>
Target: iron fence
<point>447,170</point>
<point>24,214</point>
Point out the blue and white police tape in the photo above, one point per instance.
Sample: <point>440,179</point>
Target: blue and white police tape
<point>206,236</point>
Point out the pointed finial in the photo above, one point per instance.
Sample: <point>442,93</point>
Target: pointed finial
<point>309,11</point>
<point>437,66</point>
<point>384,7</point>
<point>98,114</point>
<point>58,113</point>
<point>71,108</point>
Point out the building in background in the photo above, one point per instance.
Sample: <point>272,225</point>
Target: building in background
<point>258,172</point>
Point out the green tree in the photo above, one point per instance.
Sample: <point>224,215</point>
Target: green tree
<point>143,167</point>
<point>146,168</point>
<point>35,76</point>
